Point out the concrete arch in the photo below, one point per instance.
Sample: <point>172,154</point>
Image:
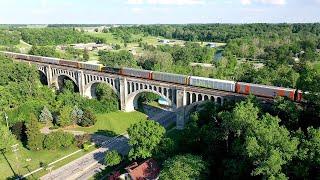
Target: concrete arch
<point>204,99</point>
<point>57,77</point>
<point>42,69</point>
<point>132,99</point>
<point>88,88</point>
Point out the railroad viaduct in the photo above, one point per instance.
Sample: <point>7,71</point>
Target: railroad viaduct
<point>182,98</point>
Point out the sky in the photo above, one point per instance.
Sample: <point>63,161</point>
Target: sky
<point>157,11</point>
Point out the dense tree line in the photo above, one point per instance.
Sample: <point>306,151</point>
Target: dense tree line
<point>54,36</point>
<point>9,38</point>
<point>219,32</point>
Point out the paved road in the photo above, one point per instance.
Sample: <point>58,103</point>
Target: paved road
<point>163,116</point>
<point>88,165</point>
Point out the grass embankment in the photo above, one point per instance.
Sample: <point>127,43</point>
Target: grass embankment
<point>114,123</point>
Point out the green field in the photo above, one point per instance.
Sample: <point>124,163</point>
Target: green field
<point>22,166</point>
<point>114,123</point>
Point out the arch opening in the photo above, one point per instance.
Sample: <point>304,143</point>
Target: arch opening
<point>156,106</point>
<point>43,78</point>
<point>66,83</point>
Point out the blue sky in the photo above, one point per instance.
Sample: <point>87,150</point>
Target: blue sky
<point>157,11</point>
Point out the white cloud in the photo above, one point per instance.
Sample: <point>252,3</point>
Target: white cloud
<point>273,2</point>
<point>167,2</point>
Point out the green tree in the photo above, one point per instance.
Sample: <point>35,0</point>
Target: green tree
<point>44,51</point>
<point>117,59</point>
<point>65,116</point>
<point>308,157</point>
<point>76,115</point>
<point>112,158</point>
<point>58,139</point>
<point>105,93</point>
<point>166,148</point>
<point>45,116</point>
<point>184,167</point>
<point>86,55</point>
<point>35,138</point>
<point>7,138</point>
<point>68,86</point>
<point>89,119</point>
<point>270,147</point>
<point>144,137</point>
<point>288,111</point>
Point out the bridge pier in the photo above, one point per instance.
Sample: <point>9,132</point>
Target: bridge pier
<point>181,102</point>
<point>81,83</point>
<point>123,95</point>
<point>49,75</point>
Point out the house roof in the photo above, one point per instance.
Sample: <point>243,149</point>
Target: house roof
<point>147,170</point>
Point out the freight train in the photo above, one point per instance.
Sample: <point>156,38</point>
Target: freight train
<point>222,85</point>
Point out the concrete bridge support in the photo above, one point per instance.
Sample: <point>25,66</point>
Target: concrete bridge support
<point>181,101</point>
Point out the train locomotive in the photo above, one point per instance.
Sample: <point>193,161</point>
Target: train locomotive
<point>217,84</point>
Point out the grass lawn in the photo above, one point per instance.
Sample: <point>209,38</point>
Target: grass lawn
<point>114,123</point>
<point>24,166</point>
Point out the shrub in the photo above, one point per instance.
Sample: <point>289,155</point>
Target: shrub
<point>82,139</point>
<point>65,116</point>
<point>112,158</point>
<point>58,139</point>
<point>86,147</point>
<point>88,119</point>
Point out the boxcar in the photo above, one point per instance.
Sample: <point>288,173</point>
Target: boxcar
<point>264,91</point>
<point>218,84</point>
<point>168,77</point>
<point>111,70</point>
<point>50,60</point>
<point>94,67</point>
<point>35,58</point>
<point>69,63</point>
<point>137,73</point>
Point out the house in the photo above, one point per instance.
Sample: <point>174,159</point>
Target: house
<point>148,170</point>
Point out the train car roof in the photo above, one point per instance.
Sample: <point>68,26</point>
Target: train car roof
<point>170,74</point>
<point>265,86</point>
<point>211,79</point>
<point>137,69</point>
